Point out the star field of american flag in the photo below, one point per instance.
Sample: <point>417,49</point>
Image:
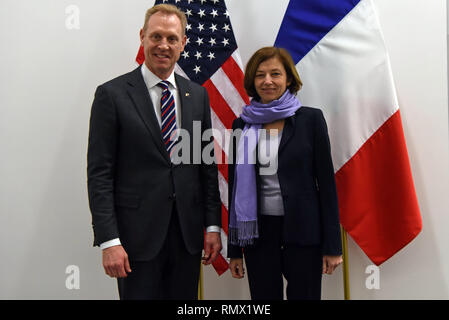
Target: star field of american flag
<point>211,59</point>
<point>210,40</point>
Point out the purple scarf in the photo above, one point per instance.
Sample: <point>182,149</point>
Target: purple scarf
<point>243,227</point>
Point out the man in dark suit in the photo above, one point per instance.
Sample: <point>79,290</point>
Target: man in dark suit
<point>148,212</point>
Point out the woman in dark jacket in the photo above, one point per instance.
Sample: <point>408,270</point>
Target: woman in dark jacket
<point>283,201</point>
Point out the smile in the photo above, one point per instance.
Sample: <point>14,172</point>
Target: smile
<point>161,56</point>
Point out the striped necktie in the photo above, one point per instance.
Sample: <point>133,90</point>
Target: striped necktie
<point>168,116</point>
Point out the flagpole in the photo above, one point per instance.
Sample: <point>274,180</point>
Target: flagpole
<point>344,240</point>
<point>200,284</point>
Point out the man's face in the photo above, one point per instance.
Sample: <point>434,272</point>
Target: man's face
<point>162,41</point>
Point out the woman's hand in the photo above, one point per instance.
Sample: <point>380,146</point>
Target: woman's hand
<point>330,263</point>
<point>236,266</point>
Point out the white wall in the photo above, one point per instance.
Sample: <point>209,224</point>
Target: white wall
<point>48,78</point>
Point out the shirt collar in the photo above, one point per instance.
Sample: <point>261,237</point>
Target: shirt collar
<point>152,80</point>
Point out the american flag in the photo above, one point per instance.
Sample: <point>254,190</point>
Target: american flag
<point>211,58</point>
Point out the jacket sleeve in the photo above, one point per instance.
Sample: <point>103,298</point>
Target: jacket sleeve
<point>325,178</point>
<point>101,158</point>
<point>209,175</point>
<point>233,250</point>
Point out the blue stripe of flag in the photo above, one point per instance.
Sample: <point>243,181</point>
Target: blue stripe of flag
<point>306,22</point>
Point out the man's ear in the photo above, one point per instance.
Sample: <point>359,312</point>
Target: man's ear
<point>141,35</point>
<point>183,42</point>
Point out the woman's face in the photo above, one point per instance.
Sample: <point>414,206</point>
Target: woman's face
<point>270,80</point>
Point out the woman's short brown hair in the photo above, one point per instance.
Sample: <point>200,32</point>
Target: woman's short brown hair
<point>169,9</point>
<point>264,54</point>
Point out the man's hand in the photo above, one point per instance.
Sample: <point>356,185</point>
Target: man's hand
<point>236,267</point>
<point>212,247</point>
<point>330,263</point>
<point>115,262</point>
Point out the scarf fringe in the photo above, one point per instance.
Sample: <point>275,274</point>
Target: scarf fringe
<point>244,234</point>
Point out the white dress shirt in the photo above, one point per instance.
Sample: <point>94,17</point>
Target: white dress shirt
<point>151,81</point>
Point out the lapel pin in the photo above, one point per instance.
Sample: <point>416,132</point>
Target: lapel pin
<point>187,94</point>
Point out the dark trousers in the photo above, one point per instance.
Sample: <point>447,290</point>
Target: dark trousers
<point>270,258</point>
<point>172,275</point>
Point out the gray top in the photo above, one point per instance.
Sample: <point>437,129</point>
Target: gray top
<point>270,191</point>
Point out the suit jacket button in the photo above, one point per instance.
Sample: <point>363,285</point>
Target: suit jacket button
<point>172,196</point>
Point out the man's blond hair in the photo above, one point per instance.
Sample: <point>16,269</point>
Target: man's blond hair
<point>168,9</point>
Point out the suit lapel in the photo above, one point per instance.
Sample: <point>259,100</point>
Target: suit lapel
<point>287,132</point>
<point>139,94</point>
<point>186,106</point>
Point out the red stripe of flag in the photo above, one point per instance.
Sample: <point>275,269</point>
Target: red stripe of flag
<point>220,106</point>
<point>140,58</point>
<point>222,162</point>
<point>376,194</point>
<point>235,74</point>
<point>224,218</point>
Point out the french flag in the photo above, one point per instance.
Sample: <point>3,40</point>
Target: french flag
<point>341,57</point>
